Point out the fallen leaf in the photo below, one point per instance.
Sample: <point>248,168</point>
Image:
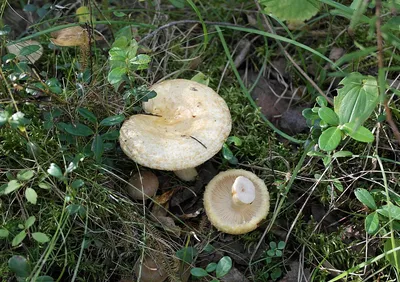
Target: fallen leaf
<point>70,36</point>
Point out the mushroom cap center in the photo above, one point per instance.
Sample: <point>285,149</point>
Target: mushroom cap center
<point>243,190</point>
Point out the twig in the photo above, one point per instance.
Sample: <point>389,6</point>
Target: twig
<point>287,55</point>
<point>389,118</point>
<point>154,32</point>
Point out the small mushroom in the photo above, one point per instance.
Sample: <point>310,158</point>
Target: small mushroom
<point>236,201</point>
<point>185,125</point>
<point>144,182</point>
<point>150,271</point>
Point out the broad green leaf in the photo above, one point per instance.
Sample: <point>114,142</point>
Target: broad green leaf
<point>116,75</point>
<point>79,129</point>
<point>97,147</point>
<point>366,198</point>
<point>29,49</point>
<point>74,208</point>
<point>180,4</point>
<point>113,120</point>
<point>83,14</point>
<point>117,54</point>
<point>12,186</point>
<point>372,223</point>
<point>140,62</point>
<point>392,258</point>
<point>357,99</point>
<point>121,42</point>
<point>77,183</point>
<point>328,116</point>
<point>390,210</point>
<point>198,272</point>
<point>321,101</point>
<point>187,254</point>
<point>4,116</point>
<point>54,170</point>
<point>281,245</point>
<point>111,135</point>
<point>201,78</point>
<point>211,267</point>
<point>119,14</point>
<point>291,10</point>
<point>40,237</point>
<point>44,185</point>
<point>342,154</point>
<point>330,139</point>
<point>30,221</point>
<point>18,238</point>
<point>358,132</point>
<point>87,115</point>
<point>338,185</point>
<point>223,267</point>
<point>31,196</point>
<point>4,233</point>
<point>44,278</point>
<point>235,140</point>
<point>20,266</point>
<point>25,175</point>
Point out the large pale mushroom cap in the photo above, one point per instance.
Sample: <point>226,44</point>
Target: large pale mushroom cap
<point>226,201</point>
<point>186,124</point>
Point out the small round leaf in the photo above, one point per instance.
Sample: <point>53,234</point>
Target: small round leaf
<point>40,237</point>
<point>223,267</point>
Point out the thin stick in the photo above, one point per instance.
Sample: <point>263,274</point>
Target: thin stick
<point>389,117</point>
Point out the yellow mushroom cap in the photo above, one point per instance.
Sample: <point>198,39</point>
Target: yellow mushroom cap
<point>224,210</point>
<point>186,124</point>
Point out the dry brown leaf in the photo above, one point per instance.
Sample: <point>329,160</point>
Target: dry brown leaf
<point>70,36</point>
<point>165,197</point>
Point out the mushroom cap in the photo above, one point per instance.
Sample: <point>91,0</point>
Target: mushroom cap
<point>144,182</point>
<point>186,124</point>
<point>224,213</point>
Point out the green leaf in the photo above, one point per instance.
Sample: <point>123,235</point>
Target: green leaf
<point>328,116</point>
<point>291,10</point>
<point>119,14</point>
<point>30,221</point>
<point>4,233</point>
<point>77,184</point>
<point>31,196</point>
<point>25,175</point>
<point>4,116</point>
<point>235,140</point>
<point>358,132</point>
<point>187,254</point>
<point>20,266</point>
<point>223,267</point>
<point>281,245</point>
<point>338,184</point>
<point>180,4</point>
<point>198,272</point>
<point>393,258</point>
<point>85,113</point>
<point>116,75</point>
<point>372,223</point>
<point>18,238</point>
<point>97,147</point>
<point>111,135</point>
<point>54,170</point>
<point>201,78</point>
<point>78,129</point>
<point>342,154</point>
<point>40,237</point>
<point>357,99</point>
<point>121,42</point>
<point>366,198</point>
<point>113,120</point>
<point>44,278</point>
<point>118,54</point>
<point>390,210</point>
<point>330,139</point>
<point>140,62</point>
<point>12,186</point>
<point>44,185</point>
<point>211,267</point>
<point>30,49</point>
<point>321,101</point>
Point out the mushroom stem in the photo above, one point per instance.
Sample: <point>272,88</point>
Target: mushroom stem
<point>188,174</point>
<point>243,191</point>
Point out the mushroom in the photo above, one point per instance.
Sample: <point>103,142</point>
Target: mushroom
<point>144,182</point>
<point>185,125</point>
<point>150,271</point>
<point>236,201</point>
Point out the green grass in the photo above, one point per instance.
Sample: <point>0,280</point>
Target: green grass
<point>97,233</point>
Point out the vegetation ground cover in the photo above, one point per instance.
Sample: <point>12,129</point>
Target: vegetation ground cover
<point>312,87</point>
